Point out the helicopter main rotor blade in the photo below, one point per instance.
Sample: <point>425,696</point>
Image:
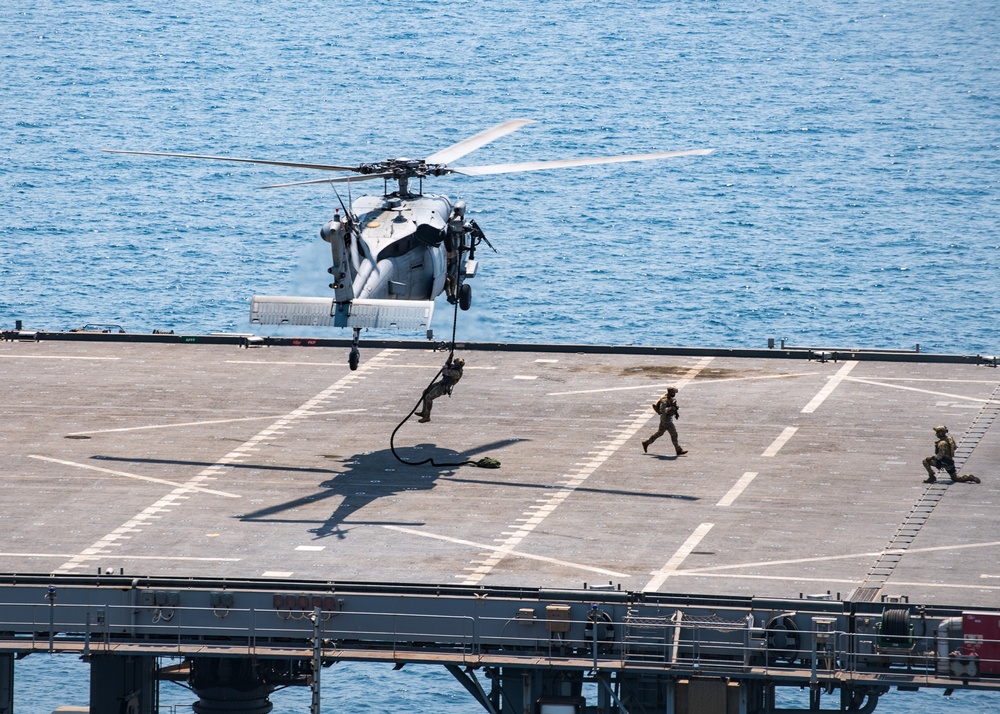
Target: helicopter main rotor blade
<point>293,164</point>
<point>566,163</point>
<point>342,179</point>
<point>457,151</point>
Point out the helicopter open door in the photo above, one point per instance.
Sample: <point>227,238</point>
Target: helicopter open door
<point>326,312</point>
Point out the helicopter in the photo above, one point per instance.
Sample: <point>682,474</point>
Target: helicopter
<point>394,254</point>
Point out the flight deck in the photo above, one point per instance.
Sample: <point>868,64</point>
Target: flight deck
<point>803,475</point>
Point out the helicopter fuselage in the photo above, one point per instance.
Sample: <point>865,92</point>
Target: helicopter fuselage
<point>392,255</point>
<point>392,247</point>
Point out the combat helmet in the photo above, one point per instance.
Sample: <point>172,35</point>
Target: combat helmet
<point>941,430</point>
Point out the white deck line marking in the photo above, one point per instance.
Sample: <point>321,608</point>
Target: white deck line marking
<point>529,521</point>
<point>846,556</point>
<point>737,489</point>
<point>126,557</point>
<point>660,576</point>
<point>164,481</point>
<point>700,383</point>
<point>340,364</point>
<point>782,439</point>
<point>58,357</point>
<point>516,553</point>
<point>936,381</point>
<point>134,523</point>
<point>796,578</point>
<point>914,389</point>
<point>211,421</point>
<point>826,391</point>
<point>277,574</point>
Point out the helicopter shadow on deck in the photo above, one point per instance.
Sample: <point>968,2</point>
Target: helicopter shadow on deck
<point>367,478</point>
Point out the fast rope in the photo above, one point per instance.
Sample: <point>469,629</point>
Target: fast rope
<point>486,462</point>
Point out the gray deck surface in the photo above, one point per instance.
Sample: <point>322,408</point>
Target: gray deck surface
<point>219,461</point>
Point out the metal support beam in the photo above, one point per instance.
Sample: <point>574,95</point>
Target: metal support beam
<point>6,683</point>
<point>610,690</point>
<point>468,680</point>
<point>123,684</point>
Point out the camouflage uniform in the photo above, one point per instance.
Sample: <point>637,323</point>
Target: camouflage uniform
<point>450,375</point>
<point>666,407</point>
<point>944,458</point>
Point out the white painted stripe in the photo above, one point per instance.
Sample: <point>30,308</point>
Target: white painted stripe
<point>702,383</point>
<point>914,389</point>
<point>63,556</point>
<point>516,553</point>
<point>525,376</point>
<point>661,575</point>
<point>737,489</point>
<point>212,421</point>
<point>782,439</point>
<point>315,548</point>
<point>844,556</point>
<point>211,471</point>
<point>826,391</point>
<point>842,581</point>
<point>276,574</point>
<point>339,364</point>
<point>531,520</point>
<point>135,476</point>
<point>106,359</point>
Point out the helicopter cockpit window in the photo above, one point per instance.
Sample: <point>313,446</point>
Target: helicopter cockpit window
<point>429,235</point>
<point>398,248</point>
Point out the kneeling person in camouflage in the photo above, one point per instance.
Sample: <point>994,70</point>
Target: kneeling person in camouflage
<point>944,458</point>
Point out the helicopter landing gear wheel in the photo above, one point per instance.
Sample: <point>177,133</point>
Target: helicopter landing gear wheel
<point>465,296</point>
<point>354,358</point>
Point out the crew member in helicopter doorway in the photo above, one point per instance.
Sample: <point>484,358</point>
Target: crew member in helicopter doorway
<point>667,408</point>
<point>450,375</point>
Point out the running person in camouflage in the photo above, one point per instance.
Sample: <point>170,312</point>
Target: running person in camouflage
<point>944,458</point>
<point>666,407</point>
<point>450,375</point>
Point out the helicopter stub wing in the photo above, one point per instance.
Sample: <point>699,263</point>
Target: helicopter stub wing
<point>567,163</point>
<point>324,312</point>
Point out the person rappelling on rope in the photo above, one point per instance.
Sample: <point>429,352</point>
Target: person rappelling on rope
<point>450,375</point>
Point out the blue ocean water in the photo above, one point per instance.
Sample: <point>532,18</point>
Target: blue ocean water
<point>852,199</point>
